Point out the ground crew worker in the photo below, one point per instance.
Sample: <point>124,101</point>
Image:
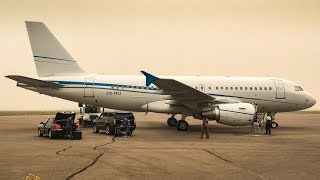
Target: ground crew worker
<point>268,124</point>
<point>126,123</point>
<point>205,127</point>
<point>69,128</point>
<point>118,126</point>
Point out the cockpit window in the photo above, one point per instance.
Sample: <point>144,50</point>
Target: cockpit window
<point>298,88</point>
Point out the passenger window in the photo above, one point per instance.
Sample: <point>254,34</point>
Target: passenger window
<point>209,88</point>
<point>250,88</point>
<point>226,88</point>
<point>255,88</point>
<point>221,87</point>
<point>217,88</point>
<point>236,88</point>
<point>270,88</point>
<point>246,88</point>
<point>196,87</point>
<point>260,88</point>
<point>240,88</point>
<point>231,88</point>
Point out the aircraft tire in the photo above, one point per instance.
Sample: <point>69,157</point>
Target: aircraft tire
<point>182,125</point>
<point>172,122</point>
<point>274,125</point>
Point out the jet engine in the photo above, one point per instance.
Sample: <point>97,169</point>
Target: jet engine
<point>235,114</point>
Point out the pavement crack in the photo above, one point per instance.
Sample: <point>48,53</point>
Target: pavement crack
<point>63,150</point>
<point>92,163</point>
<point>86,167</point>
<point>97,146</point>
<point>212,153</point>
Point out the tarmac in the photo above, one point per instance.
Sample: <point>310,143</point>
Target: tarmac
<point>156,151</point>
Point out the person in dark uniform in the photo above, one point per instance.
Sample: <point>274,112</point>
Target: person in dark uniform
<point>205,127</point>
<point>118,126</point>
<point>69,128</point>
<point>126,123</point>
<point>268,124</point>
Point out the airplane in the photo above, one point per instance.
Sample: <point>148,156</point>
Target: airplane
<point>228,100</point>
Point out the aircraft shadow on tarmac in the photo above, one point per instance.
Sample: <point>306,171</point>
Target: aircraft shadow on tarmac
<point>222,129</point>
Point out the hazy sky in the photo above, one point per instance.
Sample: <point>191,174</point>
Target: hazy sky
<point>235,38</point>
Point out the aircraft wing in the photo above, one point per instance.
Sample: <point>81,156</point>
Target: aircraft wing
<point>181,92</point>
<point>30,82</point>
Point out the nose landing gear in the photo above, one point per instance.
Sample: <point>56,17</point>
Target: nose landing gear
<point>273,116</point>
<point>274,125</point>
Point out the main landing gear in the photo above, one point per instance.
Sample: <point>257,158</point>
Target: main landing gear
<point>172,122</point>
<point>181,125</point>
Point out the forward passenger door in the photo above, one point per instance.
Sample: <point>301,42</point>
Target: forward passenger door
<point>280,91</point>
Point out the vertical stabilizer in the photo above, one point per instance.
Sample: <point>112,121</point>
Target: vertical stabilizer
<point>50,57</point>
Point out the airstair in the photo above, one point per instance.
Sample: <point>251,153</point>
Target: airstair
<point>258,122</point>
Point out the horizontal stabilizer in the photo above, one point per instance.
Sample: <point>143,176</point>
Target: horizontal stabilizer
<point>30,82</point>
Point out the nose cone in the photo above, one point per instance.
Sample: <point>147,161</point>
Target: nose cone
<point>313,101</point>
<point>310,100</point>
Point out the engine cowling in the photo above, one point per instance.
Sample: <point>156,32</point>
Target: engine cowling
<point>235,114</point>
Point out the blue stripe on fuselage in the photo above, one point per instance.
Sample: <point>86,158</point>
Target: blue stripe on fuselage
<point>101,84</point>
<point>144,88</point>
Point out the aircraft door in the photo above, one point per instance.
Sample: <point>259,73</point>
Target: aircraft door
<point>89,87</point>
<point>280,91</point>
<point>202,88</point>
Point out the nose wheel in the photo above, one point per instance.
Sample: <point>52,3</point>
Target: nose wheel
<point>274,125</point>
<point>182,125</point>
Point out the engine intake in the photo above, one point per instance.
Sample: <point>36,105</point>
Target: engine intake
<point>236,114</point>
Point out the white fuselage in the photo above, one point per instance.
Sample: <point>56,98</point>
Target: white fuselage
<point>131,94</point>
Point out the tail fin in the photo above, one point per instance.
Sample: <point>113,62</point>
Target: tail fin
<point>50,57</point>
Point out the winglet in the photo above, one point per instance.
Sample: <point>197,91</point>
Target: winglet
<point>149,78</point>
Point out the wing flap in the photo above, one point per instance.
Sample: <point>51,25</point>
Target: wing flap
<point>30,82</point>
